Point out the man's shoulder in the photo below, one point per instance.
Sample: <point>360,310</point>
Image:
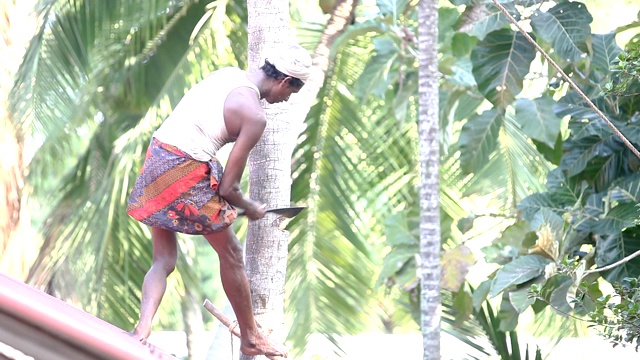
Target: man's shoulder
<point>243,101</point>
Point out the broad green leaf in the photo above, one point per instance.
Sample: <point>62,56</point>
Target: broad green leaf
<point>581,151</point>
<point>394,261</point>
<point>617,219</point>
<point>455,267</point>
<point>537,119</point>
<point>517,272</point>
<point>626,189</point>
<point>407,277</point>
<point>546,217</point>
<point>573,105</point>
<point>566,27</point>
<point>556,290</point>
<point>478,139</point>
<point>593,211</point>
<point>570,190</point>
<point>631,130</point>
<point>375,76</point>
<point>398,232</point>
<point>462,44</point>
<point>552,154</point>
<point>461,73</point>
<point>527,3</point>
<point>403,96</point>
<point>509,245</point>
<point>615,247</point>
<point>447,17</point>
<point>500,63</point>
<point>462,306</point>
<point>480,294</point>
<point>508,315</point>
<point>482,18</point>
<point>520,299</point>
<point>465,224</point>
<point>605,51</point>
<point>392,7</point>
<point>535,202</point>
<point>586,302</point>
<point>585,128</point>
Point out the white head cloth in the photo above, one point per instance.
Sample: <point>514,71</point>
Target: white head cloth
<point>291,59</point>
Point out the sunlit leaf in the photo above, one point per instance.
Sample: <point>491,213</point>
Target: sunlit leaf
<point>455,267</point>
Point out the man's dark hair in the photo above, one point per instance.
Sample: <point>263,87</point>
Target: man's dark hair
<point>271,71</point>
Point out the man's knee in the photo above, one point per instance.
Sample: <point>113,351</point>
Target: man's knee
<point>227,246</point>
<point>235,252</point>
<point>167,264</point>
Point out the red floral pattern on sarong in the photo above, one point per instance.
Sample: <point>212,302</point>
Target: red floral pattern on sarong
<point>178,193</point>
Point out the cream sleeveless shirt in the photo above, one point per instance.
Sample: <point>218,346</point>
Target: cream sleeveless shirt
<point>196,126</point>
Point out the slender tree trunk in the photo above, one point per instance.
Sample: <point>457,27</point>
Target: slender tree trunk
<point>269,177</point>
<point>429,184</point>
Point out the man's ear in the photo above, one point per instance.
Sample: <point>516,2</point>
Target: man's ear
<point>288,80</point>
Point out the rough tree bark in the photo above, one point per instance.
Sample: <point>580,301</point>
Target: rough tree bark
<point>270,161</point>
<point>429,184</point>
<point>269,177</point>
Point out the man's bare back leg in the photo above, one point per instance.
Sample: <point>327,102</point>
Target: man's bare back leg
<point>236,286</point>
<point>154,285</point>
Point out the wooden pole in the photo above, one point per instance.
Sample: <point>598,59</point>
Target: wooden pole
<point>222,318</point>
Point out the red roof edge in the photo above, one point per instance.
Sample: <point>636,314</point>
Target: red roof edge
<point>45,327</point>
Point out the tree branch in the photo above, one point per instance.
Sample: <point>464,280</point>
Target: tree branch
<point>611,266</point>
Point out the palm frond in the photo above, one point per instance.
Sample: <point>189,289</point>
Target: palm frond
<point>351,184</point>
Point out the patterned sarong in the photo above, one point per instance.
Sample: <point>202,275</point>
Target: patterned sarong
<point>178,193</point>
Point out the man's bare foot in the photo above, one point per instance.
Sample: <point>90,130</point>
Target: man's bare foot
<point>260,344</point>
<point>139,335</point>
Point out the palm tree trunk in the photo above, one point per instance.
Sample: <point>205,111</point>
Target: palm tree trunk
<point>269,178</point>
<point>429,184</point>
<point>269,162</point>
